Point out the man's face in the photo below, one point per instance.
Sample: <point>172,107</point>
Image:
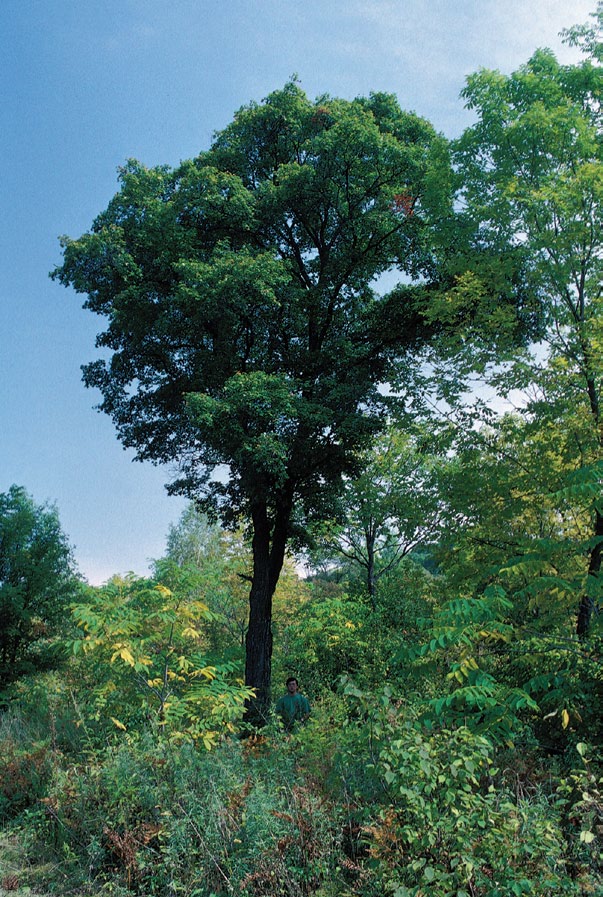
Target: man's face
<point>292,687</point>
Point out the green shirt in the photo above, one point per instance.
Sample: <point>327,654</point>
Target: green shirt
<point>292,709</point>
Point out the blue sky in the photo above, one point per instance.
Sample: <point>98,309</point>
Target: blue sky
<point>86,84</point>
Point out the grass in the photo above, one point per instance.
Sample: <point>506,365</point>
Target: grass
<point>18,876</point>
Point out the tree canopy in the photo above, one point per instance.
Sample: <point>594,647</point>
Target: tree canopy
<point>245,331</point>
<point>533,188</point>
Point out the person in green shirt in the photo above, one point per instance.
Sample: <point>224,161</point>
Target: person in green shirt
<point>292,707</point>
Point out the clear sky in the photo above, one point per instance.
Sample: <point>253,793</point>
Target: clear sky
<point>86,84</point>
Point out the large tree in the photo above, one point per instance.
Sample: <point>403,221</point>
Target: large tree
<point>245,332</point>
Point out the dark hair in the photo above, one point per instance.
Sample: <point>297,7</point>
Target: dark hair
<point>291,679</point>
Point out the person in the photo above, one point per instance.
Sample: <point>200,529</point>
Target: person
<point>292,707</point>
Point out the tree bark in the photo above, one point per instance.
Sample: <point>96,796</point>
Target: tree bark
<point>587,602</point>
<point>371,580</point>
<point>268,547</point>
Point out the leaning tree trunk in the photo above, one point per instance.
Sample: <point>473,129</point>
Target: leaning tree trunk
<point>268,546</point>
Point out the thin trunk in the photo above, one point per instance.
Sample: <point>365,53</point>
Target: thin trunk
<point>371,579</point>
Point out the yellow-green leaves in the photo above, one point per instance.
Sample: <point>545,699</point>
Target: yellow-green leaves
<point>144,645</point>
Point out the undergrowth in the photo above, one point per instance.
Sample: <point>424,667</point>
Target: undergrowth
<point>364,801</point>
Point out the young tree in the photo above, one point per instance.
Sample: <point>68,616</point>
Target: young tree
<point>37,582</point>
<point>217,563</point>
<point>245,330</point>
<point>142,661</point>
<point>193,539</point>
<point>533,187</point>
<point>390,509</point>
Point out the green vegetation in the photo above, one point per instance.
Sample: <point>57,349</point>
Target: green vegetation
<point>37,583</point>
<point>446,629</point>
<point>245,330</point>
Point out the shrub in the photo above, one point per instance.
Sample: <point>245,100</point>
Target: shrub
<point>448,828</point>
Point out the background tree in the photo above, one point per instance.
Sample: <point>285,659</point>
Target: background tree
<point>507,483</point>
<point>37,582</point>
<point>193,539</point>
<point>243,322</point>
<point>217,564</point>
<point>391,509</point>
<point>533,187</point>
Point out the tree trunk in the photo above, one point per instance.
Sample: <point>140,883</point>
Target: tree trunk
<point>268,546</point>
<point>371,579</point>
<point>587,603</point>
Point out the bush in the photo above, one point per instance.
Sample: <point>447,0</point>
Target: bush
<point>448,827</point>
<point>433,814</point>
<point>327,639</point>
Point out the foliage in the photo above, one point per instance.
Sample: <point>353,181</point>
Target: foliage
<point>364,800</point>
<point>581,794</point>
<point>216,564</point>
<point>449,829</point>
<point>142,644</point>
<point>194,539</point>
<point>328,637</point>
<point>435,812</point>
<point>37,582</point>
<point>525,538</point>
<point>336,632</point>
<point>451,749</point>
<point>244,327</point>
<point>465,635</point>
<point>393,507</point>
<point>520,495</point>
<point>505,678</point>
<point>24,775</point>
<point>153,820</point>
<point>532,186</point>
